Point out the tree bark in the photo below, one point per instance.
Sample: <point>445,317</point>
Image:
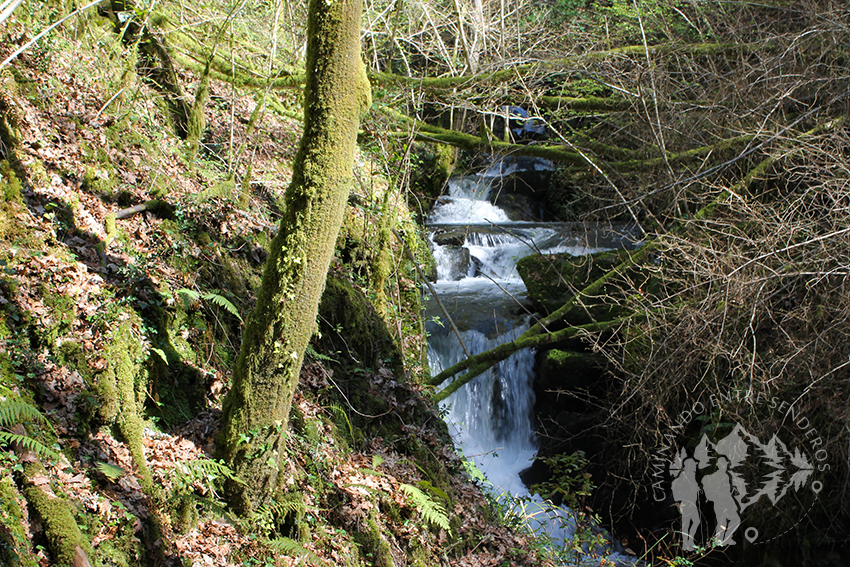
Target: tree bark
<point>256,409</point>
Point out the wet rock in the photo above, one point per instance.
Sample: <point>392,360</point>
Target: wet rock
<point>451,237</point>
<point>458,262</point>
<point>519,207</point>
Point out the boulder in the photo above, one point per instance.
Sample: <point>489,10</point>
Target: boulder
<point>565,380</point>
<point>552,279</point>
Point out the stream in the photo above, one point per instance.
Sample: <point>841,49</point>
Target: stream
<point>476,247</point>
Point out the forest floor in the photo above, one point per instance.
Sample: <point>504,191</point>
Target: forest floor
<point>77,264</point>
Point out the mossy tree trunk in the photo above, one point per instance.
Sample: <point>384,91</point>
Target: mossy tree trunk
<point>266,374</point>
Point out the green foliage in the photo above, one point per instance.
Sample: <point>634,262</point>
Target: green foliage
<point>112,472</point>
<point>474,472</point>
<point>205,473</point>
<point>564,11</point>
<point>190,296</point>
<point>432,511</point>
<point>18,412</point>
<point>342,416</point>
<point>280,516</point>
<point>290,547</point>
<point>568,482</point>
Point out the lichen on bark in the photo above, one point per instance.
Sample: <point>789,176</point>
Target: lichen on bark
<point>257,408</point>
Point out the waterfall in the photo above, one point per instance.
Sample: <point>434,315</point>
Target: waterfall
<point>476,248</point>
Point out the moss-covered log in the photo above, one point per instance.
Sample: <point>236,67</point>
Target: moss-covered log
<point>116,390</point>
<point>482,362</point>
<point>67,544</point>
<point>506,75</point>
<point>257,408</point>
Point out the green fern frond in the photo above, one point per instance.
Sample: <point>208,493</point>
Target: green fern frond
<point>15,411</point>
<point>432,511</point>
<point>290,547</point>
<point>293,505</point>
<point>209,470</point>
<point>224,303</point>
<point>112,472</point>
<point>189,296</point>
<point>433,489</point>
<point>28,443</point>
<point>343,415</point>
<point>317,356</point>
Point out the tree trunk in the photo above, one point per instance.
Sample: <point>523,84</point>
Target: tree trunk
<point>257,408</point>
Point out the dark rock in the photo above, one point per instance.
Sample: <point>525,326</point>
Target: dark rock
<point>519,207</point>
<point>459,262</point>
<point>552,279</point>
<point>450,237</point>
<point>565,380</point>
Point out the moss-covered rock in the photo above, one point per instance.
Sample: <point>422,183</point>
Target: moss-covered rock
<point>352,328</point>
<point>552,279</point>
<point>564,379</point>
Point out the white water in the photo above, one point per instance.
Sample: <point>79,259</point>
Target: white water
<point>492,417</point>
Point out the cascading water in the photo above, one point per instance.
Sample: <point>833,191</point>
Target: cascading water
<point>476,248</point>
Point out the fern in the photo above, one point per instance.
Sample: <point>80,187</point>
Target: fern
<point>290,547</point>
<point>13,412</point>
<point>431,488</point>
<point>18,412</point>
<point>223,302</point>
<point>112,472</point>
<point>28,443</point>
<point>264,520</point>
<point>204,470</point>
<point>317,356</point>
<point>432,511</point>
<point>190,296</point>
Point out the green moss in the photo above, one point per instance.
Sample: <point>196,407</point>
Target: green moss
<point>552,279</point>
<point>63,312</point>
<point>14,545</point>
<point>57,518</point>
<point>10,184</point>
<point>100,181</point>
<point>197,120</point>
<point>116,389</point>
<point>376,545</point>
<point>351,326</point>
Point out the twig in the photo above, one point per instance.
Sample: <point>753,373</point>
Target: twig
<point>46,31</point>
<point>7,8</point>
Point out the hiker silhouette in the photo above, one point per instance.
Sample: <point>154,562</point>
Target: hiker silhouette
<point>686,492</point>
<point>718,490</point>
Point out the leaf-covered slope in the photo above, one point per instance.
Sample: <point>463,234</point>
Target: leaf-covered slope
<point>128,267</point>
